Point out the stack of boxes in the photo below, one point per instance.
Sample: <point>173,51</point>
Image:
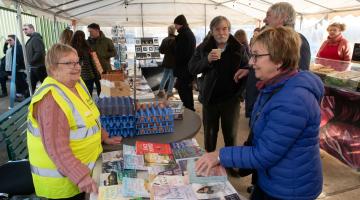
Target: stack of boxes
<point>154,118</point>
<point>119,117</point>
<point>114,84</point>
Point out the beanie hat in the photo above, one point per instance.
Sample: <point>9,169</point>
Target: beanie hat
<point>180,20</point>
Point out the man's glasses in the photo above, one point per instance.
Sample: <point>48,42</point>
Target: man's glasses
<point>256,56</point>
<point>24,29</point>
<point>72,64</point>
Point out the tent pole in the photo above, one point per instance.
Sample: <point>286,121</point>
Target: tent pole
<point>142,20</point>
<point>205,19</point>
<point>19,19</point>
<point>55,31</point>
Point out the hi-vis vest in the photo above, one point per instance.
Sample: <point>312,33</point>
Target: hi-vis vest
<point>85,138</point>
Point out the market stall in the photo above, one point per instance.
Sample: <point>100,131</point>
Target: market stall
<point>340,109</point>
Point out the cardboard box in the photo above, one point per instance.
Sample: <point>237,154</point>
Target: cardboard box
<point>115,88</point>
<point>115,75</point>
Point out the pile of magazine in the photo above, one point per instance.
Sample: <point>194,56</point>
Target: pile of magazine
<point>160,171</point>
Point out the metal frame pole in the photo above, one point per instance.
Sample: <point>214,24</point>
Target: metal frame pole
<point>142,20</point>
<point>19,19</point>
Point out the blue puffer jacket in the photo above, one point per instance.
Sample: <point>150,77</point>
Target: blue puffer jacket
<point>285,150</point>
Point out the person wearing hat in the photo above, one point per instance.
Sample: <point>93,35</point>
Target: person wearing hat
<point>184,49</point>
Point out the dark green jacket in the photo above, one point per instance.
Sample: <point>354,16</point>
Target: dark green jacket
<point>104,48</point>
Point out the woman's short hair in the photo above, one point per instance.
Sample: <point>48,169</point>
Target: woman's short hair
<point>284,9</point>
<point>54,54</point>
<point>171,30</point>
<point>283,44</point>
<point>341,26</point>
<point>216,21</point>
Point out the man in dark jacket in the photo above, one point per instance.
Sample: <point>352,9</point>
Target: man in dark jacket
<point>104,48</point>
<point>167,47</point>
<point>184,49</point>
<point>218,59</point>
<point>35,53</point>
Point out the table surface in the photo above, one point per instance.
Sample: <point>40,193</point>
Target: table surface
<point>184,129</point>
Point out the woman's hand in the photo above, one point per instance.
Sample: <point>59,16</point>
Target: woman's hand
<point>113,140</point>
<point>88,185</point>
<point>107,140</point>
<point>206,162</point>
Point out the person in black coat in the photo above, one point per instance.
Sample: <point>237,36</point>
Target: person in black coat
<point>167,48</point>
<point>35,53</point>
<point>218,59</point>
<point>20,81</point>
<point>184,49</point>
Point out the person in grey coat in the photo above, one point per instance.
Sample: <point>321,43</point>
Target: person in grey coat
<point>35,53</point>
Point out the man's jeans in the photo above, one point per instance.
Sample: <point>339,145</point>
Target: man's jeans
<point>168,75</point>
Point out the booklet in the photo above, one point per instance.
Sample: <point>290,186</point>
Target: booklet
<point>173,192</point>
<point>218,174</point>
<point>148,147</point>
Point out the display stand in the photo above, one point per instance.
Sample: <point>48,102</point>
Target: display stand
<point>118,37</point>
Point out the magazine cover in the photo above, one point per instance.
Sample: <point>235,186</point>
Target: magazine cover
<point>135,187</point>
<point>110,193</point>
<point>107,179</point>
<point>110,166</point>
<point>148,147</point>
<point>134,162</point>
<point>221,191</point>
<point>176,106</point>
<point>131,159</point>
<point>168,181</point>
<point>158,159</point>
<point>186,149</point>
<point>112,156</point>
<point>218,174</point>
<point>173,192</point>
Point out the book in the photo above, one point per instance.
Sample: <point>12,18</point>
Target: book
<point>112,156</point>
<point>149,147</point>
<point>221,191</point>
<point>109,166</point>
<point>173,192</point>
<point>107,179</point>
<point>158,159</point>
<point>131,159</point>
<point>168,181</point>
<point>218,174</point>
<point>135,187</point>
<point>110,193</point>
<point>186,149</point>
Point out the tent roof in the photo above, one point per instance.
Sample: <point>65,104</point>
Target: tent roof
<point>153,13</point>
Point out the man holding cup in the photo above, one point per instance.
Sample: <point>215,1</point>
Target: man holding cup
<point>218,59</point>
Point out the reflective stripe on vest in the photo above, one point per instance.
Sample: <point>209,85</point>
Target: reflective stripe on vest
<point>74,134</point>
<point>53,172</point>
<point>81,131</point>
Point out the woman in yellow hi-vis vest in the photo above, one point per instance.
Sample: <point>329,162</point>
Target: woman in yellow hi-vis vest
<point>64,132</point>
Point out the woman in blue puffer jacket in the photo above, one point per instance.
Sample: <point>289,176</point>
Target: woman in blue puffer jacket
<point>285,121</point>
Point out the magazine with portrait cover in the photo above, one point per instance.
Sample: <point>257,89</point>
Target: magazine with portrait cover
<point>220,191</point>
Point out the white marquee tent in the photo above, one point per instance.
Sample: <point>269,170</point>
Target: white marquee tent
<point>155,13</point>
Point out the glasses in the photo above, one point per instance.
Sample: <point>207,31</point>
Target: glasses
<point>73,64</point>
<point>24,29</point>
<point>256,56</point>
